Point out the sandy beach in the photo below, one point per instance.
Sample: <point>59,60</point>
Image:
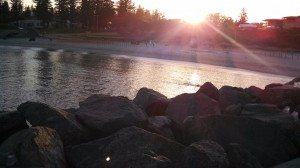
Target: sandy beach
<point>274,62</point>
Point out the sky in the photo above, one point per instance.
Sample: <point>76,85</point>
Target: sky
<point>197,10</point>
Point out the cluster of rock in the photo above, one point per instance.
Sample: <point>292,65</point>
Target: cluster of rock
<point>226,128</point>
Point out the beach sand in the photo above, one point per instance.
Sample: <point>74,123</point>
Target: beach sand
<point>279,63</point>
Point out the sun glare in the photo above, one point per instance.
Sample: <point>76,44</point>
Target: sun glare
<point>190,14</point>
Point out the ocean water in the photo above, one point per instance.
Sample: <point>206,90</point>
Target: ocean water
<point>63,78</point>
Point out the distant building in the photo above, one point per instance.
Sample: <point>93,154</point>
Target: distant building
<point>291,22</point>
<point>273,23</point>
<point>248,26</point>
<point>29,22</point>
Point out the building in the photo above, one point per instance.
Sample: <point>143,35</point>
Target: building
<point>273,23</point>
<point>291,22</point>
<point>248,26</point>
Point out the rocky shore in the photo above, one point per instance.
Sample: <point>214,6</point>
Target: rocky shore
<point>213,128</point>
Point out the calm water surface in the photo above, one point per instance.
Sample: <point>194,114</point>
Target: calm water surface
<point>63,79</point>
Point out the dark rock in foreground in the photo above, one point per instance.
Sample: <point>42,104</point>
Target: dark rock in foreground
<point>161,125</point>
<point>240,157</point>
<point>282,96</point>
<point>186,105</point>
<point>295,163</point>
<point>294,81</point>
<point>39,114</point>
<point>265,141</point>
<point>154,103</point>
<point>10,123</point>
<point>272,85</point>
<point>129,147</point>
<point>209,90</point>
<point>269,113</point>
<point>33,147</point>
<point>204,154</point>
<point>254,91</point>
<point>108,114</point>
<point>232,95</point>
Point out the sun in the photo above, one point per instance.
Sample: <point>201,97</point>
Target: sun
<point>193,19</point>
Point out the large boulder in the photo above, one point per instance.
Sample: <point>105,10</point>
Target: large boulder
<point>204,154</point>
<point>129,147</point>
<point>254,91</point>
<point>107,114</point>
<point>272,85</point>
<point>239,157</point>
<point>153,102</point>
<point>294,81</point>
<point>264,140</point>
<point>234,109</point>
<point>209,90</point>
<point>232,95</point>
<point>146,96</point>
<point>282,96</point>
<point>295,163</point>
<point>33,147</point>
<point>10,123</point>
<point>157,108</point>
<point>186,105</point>
<point>269,113</point>
<point>39,114</point>
<point>161,125</point>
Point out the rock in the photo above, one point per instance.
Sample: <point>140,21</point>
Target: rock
<point>282,96</point>
<point>204,154</point>
<point>70,110</point>
<point>272,85</point>
<point>254,91</point>
<point>186,105</point>
<point>232,95</point>
<point>129,147</point>
<point>146,96</point>
<point>40,114</point>
<point>209,90</point>
<point>264,140</point>
<point>234,109</point>
<point>10,123</point>
<point>33,147</point>
<point>290,164</point>
<point>161,125</point>
<point>292,82</point>
<point>295,137</point>
<point>157,108</point>
<point>269,113</point>
<point>154,103</point>
<point>108,114</point>
<point>240,157</point>
<point>297,109</point>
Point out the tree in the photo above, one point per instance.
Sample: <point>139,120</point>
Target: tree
<point>72,10</point>
<point>43,11</point>
<point>16,9</point>
<point>243,17</point>
<point>125,7</point>
<point>103,13</point>
<point>86,13</point>
<point>26,13</point>
<point>125,19</point>
<point>62,10</point>
<point>4,12</point>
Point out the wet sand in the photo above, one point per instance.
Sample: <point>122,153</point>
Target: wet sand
<point>279,63</point>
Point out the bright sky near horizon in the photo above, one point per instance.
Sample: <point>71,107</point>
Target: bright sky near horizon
<point>197,10</point>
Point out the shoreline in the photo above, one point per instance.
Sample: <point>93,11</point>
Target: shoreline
<point>285,64</point>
